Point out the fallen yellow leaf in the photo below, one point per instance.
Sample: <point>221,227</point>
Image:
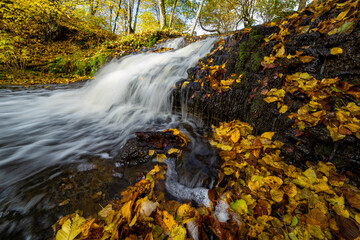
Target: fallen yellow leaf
<point>277,195</point>
<point>70,229</point>
<point>268,135</point>
<point>151,152</point>
<point>336,51</point>
<point>273,182</point>
<point>306,59</point>
<point>173,150</point>
<point>235,135</point>
<point>283,109</point>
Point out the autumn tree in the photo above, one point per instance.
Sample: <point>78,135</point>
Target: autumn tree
<point>267,10</point>
<point>225,16</point>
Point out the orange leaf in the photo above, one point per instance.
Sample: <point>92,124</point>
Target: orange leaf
<point>306,59</point>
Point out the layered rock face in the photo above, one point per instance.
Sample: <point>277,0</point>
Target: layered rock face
<point>299,78</point>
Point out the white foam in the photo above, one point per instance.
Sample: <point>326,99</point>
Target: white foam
<point>181,192</point>
<point>173,43</point>
<point>221,210</point>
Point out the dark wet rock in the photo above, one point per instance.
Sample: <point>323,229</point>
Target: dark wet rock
<point>245,102</point>
<point>136,150</point>
<point>196,165</point>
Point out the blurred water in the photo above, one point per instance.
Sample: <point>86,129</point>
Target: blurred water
<point>41,128</point>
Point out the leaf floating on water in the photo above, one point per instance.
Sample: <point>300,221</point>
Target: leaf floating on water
<point>166,220</point>
<point>184,84</point>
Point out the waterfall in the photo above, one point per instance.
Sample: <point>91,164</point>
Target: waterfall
<point>174,43</point>
<point>41,128</point>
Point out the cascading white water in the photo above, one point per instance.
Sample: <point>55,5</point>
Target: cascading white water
<point>41,128</point>
<point>181,192</point>
<point>174,44</point>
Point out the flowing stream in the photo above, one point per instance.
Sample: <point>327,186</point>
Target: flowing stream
<point>49,128</point>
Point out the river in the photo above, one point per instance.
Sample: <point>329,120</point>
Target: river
<point>65,137</point>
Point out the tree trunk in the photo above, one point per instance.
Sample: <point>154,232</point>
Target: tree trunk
<point>129,16</point>
<point>172,13</point>
<point>110,16</point>
<point>94,4</point>
<point>302,5</point>
<point>197,17</point>
<point>136,14</point>
<point>208,30</point>
<point>117,16</point>
<point>162,15</point>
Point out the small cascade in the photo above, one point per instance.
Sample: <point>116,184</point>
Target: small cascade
<point>182,192</point>
<point>46,128</point>
<point>176,43</point>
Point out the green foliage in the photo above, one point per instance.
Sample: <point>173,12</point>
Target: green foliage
<point>79,65</point>
<point>87,62</point>
<point>144,39</point>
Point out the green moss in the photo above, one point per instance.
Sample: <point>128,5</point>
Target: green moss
<point>80,68</point>
<point>249,56</point>
<point>255,61</point>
